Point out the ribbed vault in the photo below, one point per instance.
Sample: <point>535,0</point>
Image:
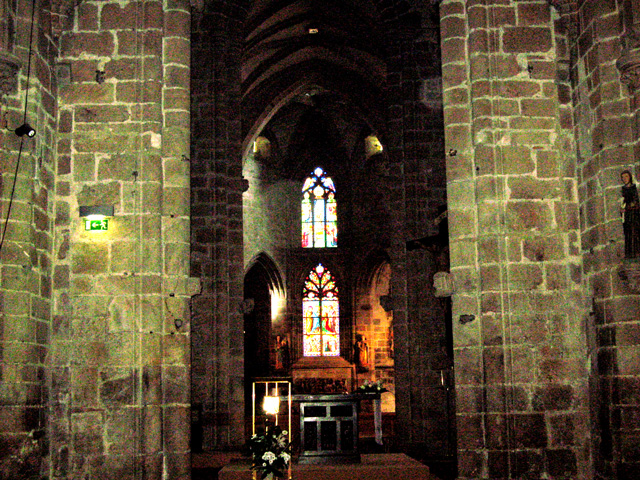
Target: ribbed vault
<point>295,49</point>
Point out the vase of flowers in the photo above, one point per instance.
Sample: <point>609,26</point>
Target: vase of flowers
<point>371,387</point>
<point>270,452</point>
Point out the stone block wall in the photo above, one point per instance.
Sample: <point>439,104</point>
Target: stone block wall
<point>271,221</point>
<point>216,234</point>
<point>119,361</point>
<point>27,196</point>
<point>607,135</point>
<point>520,309</point>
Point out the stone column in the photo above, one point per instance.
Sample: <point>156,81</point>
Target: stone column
<point>26,224</point>
<point>617,295</point>
<point>415,140</point>
<point>397,298</point>
<point>519,309</point>
<point>216,234</point>
<point>120,347</point>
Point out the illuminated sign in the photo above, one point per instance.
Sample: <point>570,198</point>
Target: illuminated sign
<point>96,225</point>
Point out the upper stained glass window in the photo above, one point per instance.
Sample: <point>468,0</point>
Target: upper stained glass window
<point>320,314</point>
<point>319,214</point>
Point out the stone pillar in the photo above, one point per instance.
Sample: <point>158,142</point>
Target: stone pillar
<point>216,235</point>
<point>120,346</point>
<point>615,279</point>
<point>26,225</point>
<point>415,140</point>
<point>397,298</point>
<point>519,309</point>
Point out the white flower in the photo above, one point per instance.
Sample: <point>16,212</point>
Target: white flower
<point>286,457</point>
<point>269,457</point>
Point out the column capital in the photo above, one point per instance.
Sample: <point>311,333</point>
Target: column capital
<point>629,66</point>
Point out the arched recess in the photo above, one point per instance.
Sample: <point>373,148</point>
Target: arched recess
<point>262,308</point>
<point>373,324</point>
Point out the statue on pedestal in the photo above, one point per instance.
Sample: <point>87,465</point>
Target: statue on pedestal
<point>361,349</point>
<point>282,353</point>
<point>630,211</point>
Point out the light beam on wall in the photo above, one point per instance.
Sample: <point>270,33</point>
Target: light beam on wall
<point>277,304</point>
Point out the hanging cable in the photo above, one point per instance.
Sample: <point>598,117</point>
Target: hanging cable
<point>26,95</point>
<point>24,123</point>
<point>13,190</point>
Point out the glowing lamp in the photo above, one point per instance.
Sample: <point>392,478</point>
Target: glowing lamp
<point>271,405</point>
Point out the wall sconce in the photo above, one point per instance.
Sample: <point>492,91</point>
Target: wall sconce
<point>25,129</point>
<point>96,217</point>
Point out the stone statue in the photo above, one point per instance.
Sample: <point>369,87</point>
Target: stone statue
<point>361,352</point>
<point>282,353</point>
<point>630,211</point>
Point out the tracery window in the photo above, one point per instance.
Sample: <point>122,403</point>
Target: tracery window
<point>320,314</point>
<point>319,211</point>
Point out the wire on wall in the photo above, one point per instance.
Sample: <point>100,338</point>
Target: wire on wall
<point>24,121</point>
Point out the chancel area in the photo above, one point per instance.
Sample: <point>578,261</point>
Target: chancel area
<point>406,232</point>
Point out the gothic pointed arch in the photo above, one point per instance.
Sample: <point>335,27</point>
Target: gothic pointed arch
<point>263,287</point>
<point>270,270</point>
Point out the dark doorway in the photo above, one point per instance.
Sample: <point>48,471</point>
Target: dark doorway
<point>262,283</point>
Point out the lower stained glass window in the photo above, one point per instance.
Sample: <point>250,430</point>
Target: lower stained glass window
<point>320,314</point>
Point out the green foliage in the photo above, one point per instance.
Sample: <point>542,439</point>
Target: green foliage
<point>271,452</point>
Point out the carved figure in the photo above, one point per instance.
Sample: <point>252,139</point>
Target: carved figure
<point>282,353</point>
<point>361,351</point>
<point>630,211</point>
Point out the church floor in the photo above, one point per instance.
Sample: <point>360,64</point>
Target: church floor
<point>391,466</point>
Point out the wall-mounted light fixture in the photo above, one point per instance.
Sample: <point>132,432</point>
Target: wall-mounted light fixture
<point>25,129</point>
<point>96,217</point>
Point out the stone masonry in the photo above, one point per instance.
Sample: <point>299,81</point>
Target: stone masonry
<point>520,361</point>
<point>516,115</point>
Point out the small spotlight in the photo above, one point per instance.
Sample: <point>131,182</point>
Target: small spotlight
<point>25,129</point>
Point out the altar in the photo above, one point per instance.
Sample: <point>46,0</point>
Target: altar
<point>328,428</point>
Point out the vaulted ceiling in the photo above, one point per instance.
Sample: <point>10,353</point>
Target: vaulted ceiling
<point>328,57</point>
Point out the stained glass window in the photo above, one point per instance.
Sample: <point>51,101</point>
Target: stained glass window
<point>319,214</point>
<point>320,314</point>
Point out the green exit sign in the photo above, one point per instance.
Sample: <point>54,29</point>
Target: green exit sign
<point>96,225</point>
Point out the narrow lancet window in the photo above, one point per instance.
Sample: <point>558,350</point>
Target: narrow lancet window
<point>320,314</point>
<point>319,211</point>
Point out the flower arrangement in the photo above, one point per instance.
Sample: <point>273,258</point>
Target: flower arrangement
<point>271,452</point>
<point>371,387</point>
